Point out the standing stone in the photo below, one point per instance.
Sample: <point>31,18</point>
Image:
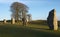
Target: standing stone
<point>24,21</point>
<point>52,20</point>
<point>12,21</point>
<point>4,21</point>
<point>29,18</point>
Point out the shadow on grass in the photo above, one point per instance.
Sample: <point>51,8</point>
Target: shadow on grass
<point>22,31</point>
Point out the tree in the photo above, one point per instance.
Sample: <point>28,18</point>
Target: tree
<point>19,10</point>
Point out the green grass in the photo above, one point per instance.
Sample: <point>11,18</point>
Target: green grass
<point>32,30</point>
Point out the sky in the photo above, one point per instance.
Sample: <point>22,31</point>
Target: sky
<point>39,9</point>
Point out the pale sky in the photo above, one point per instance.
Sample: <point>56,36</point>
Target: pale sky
<point>39,9</point>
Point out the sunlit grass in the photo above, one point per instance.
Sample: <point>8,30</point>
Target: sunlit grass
<point>36,29</point>
<point>31,30</point>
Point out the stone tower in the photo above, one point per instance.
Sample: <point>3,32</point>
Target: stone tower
<point>52,20</point>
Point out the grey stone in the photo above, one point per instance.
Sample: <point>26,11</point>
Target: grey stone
<point>52,20</point>
<point>4,21</point>
<point>12,21</point>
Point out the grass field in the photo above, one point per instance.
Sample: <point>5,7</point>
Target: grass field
<point>31,30</point>
<point>37,28</point>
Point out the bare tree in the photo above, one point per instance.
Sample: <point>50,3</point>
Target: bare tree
<point>19,10</point>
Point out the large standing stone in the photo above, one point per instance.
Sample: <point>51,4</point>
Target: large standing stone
<point>4,21</point>
<point>52,20</point>
<point>12,21</point>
